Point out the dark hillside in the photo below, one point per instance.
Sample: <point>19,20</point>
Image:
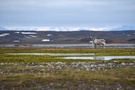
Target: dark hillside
<point>44,37</point>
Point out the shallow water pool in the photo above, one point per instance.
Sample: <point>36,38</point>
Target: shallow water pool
<point>101,57</point>
<point>77,56</point>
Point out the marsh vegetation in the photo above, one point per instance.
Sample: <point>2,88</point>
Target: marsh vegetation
<point>44,72</point>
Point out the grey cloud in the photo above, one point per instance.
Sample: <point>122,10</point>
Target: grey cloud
<point>67,12</point>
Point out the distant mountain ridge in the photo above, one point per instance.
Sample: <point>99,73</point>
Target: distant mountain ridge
<point>125,27</point>
<point>2,28</point>
<point>118,28</point>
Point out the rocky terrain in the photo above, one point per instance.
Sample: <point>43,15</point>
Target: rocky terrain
<point>53,66</point>
<point>47,69</point>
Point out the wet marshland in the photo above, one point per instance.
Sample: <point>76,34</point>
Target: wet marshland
<point>36,70</point>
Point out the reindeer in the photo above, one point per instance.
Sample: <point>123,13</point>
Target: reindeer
<point>96,42</point>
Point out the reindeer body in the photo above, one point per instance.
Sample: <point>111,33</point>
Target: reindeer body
<point>100,42</point>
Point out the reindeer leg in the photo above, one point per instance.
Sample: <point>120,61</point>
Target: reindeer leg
<point>103,45</point>
<point>95,46</point>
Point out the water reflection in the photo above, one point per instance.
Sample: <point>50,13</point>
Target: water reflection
<point>55,54</point>
<point>77,56</point>
<point>100,57</point>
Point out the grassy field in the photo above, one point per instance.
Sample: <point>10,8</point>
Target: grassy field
<point>107,51</point>
<point>29,72</point>
<point>4,57</point>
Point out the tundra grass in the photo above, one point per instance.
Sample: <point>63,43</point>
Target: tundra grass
<point>70,78</point>
<point>64,79</point>
<point>106,51</point>
<point>37,58</point>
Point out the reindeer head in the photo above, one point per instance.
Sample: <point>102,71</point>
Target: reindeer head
<point>93,38</point>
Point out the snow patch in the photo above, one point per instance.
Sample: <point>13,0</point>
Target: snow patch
<point>4,34</point>
<point>45,40</point>
<point>17,32</point>
<point>49,35</point>
<point>28,33</point>
<point>32,36</point>
<point>16,41</point>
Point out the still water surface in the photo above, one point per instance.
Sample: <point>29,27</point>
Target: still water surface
<point>76,56</point>
<point>101,57</point>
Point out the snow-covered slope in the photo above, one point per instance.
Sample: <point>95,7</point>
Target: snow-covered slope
<point>54,28</point>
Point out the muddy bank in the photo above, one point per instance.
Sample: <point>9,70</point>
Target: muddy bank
<point>69,45</point>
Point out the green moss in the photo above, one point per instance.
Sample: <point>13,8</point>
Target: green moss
<point>107,51</point>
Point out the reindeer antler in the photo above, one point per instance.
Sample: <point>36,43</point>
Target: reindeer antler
<point>91,37</point>
<point>95,37</point>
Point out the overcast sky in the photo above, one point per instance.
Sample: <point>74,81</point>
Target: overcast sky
<point>67,13</point>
